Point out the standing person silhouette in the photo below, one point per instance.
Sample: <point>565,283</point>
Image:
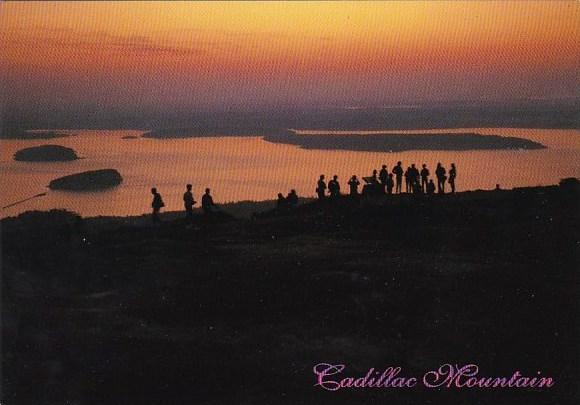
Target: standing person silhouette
<point>407,175</point>
<point>452,176</point>
<point>390,184</point>
<point>156,204</point>
<point>321,187</point>
<point>398,172</point>
<point>188,201</point>
<point>207,203</point>
<point>413,177</point>
<point>334,187</point>
<point>440,173</point>
<point>383,176</point>
<point>424,177</point>
<point>353,184</point>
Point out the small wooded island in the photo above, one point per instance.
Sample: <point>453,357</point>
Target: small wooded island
<point>24,134</point>
<point>46,153</point>
<point>88,181</point>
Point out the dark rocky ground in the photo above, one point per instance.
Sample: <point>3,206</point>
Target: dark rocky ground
<point>231,311</point>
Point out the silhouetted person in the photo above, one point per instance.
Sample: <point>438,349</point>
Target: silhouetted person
<point>334,187</point>
<point>374,179</point>
<point>413,177</point>
<point>497,187</point>
<point>407,180</point>
<point>390,184</point>
<point>424,177</point>
<point>430,187</point>
<point>281,203</point>
<point>188,201</point>
<point>398,172</point>
<point>452,176</point>
<point>353,184</point>
<point>383,176</point>
<point>292,198</point>
<point>440,173</point>
<point>416,187</point>
<point>156,204</point>
<point>321,187</point>
<point>207,203</point>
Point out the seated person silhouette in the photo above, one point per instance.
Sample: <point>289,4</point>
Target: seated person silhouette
<point>281,203</point>
<point>292,198</point>
<point>431,187</point>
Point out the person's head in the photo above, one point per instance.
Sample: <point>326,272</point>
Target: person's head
<point>431,181</point>
<point>374,172</point>
<point>413,165</point>
<point>280,196</point>
<point>354,176</point>
<point>453,165</point>
<point>189,187</point>
<point>399,163</point>
<point>322,177</point>
<point>292,191</point>
<point>439,164</point>
<point>384,166</point>
<point>153,190</point>
<point>424,166</point>
<point>335,177</point>
<point>207,190</point>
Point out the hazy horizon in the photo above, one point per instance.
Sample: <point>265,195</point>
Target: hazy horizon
<point>143,63</point>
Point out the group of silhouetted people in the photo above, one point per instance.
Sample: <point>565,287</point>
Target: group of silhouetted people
<point>207,204</point>
<point>290,201</point>
<point>382,182</point>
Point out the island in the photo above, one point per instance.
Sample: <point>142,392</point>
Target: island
<point>206,131</point>
<point>46,153</point>
<point>88,181</point>
<point>25,134</point>
<point>400,142</point>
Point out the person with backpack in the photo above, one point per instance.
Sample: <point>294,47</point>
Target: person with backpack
<point>156,204</point>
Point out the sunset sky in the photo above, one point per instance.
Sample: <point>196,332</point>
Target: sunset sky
<point>131,55</point>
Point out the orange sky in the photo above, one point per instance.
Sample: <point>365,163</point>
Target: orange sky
<point>195,54</point>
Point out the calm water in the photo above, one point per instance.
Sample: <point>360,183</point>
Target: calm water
<point>248,168</point>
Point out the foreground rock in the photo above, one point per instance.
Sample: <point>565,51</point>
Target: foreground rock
<point>412,282</point>
<point>88,181</point>
<point>46,153</point>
